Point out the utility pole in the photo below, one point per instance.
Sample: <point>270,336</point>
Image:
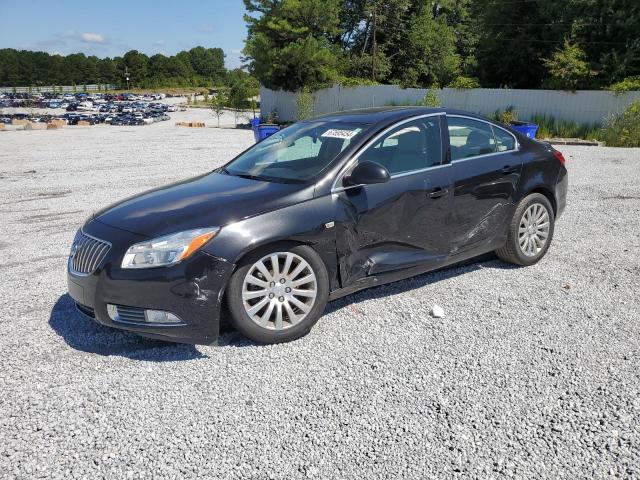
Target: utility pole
<point>374,44</point>
<point>126,76</point>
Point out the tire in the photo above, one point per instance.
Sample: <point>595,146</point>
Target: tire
<point>528,251</point>
<point>270,308</point>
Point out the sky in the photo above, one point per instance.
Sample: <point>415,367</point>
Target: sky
<point>112,27</point>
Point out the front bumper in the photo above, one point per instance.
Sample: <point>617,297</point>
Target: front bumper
<point>192,290</point>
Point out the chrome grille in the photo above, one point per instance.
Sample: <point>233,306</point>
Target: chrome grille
<point>130,314</point>
<point>87,253</point>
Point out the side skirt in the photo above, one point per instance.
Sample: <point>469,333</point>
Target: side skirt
<point>396,275</point>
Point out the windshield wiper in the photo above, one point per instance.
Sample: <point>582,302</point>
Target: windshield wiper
<point>249,176</point>
<point>259,178</point>
<point>224,171</point>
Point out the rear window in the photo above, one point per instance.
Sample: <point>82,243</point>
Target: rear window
<point>504,140</point>
<point>470,138</point>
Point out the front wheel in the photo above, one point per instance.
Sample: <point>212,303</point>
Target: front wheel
<point>277,295</point>
<point>530,231</point>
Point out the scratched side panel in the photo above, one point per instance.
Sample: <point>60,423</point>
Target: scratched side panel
<point>484,200</point>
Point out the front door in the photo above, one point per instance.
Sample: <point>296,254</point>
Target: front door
<point>486,170</point>
<point>404,222</point>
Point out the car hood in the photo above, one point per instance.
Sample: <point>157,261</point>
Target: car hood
<point>209,200</point>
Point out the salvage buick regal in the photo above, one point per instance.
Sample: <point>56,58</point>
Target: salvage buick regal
<point>319,210</point>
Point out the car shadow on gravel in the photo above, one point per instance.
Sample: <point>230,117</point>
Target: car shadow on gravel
<point>86,335</point>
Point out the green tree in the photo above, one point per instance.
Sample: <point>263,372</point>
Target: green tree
<point>107,71</point>
<point>430,54</point>
<point>208,63</point>
<point>373,36</point>
<point>568,68</point>
<point>240,94</point>
<point>137,64</point>
<point>608,32</point>
<point>290,43</point>
<point>218,103</point>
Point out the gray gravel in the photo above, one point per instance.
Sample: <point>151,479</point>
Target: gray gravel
<point>532,373</point>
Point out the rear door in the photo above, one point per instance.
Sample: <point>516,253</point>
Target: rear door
<point>486,169</point>
<point>401,223</point>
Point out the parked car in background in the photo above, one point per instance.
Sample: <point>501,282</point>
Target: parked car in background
<point>85,106</point>
<point>318,210</point>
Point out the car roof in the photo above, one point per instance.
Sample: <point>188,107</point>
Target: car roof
<point>387,114</point>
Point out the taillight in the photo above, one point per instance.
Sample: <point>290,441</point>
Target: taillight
<point>559,156</point>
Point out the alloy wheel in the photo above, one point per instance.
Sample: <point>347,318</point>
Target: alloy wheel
<point>279,290</point>
<point>533,231</point>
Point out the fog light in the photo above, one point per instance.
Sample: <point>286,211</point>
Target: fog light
<point>140,316</point>
<point>112,310</point>
<point>160,316</point>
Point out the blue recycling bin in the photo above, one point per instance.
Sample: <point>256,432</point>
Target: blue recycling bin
<point>255,123</point>
<point>528,129</point>
<point>262,130</point>
<point>265,130</point>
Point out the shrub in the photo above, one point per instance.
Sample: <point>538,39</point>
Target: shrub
<point>305,104</point>
<point>629,84</point>
<point>348,82</point>
<point>272,117</point>
<point>431,98</point>
<point>509,115</point>
<point>464,83</point>
<point>623,129</point>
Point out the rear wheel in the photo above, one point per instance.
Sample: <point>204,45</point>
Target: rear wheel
<point>277,295</point>
<point>530,231</point>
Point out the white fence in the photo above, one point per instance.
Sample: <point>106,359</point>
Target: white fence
<point>61,88</point>
<point>585,106</point>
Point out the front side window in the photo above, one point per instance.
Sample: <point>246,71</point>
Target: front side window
<point>414,145</point>
<point>296,154</point>
<point>470,138</point>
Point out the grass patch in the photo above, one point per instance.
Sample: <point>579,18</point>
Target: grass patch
<point>551,127</point>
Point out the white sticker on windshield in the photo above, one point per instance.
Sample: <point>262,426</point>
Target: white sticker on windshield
<point>336,133</point>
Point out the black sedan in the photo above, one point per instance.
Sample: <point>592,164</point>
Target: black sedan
<point>319,210</point>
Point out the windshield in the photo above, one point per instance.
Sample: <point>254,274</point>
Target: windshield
<point>297,153</point>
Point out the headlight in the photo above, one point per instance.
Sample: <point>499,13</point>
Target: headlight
<point>167,250</point>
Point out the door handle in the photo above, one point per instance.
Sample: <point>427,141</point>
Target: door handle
<point>507,169</point>
<point>438,192</point>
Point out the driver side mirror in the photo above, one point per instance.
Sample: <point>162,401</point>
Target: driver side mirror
<point>367,173</point>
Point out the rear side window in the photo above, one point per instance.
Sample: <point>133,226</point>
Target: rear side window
<point>470,138</point>
<point>504,140</point>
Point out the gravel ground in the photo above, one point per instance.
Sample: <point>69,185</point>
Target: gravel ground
<point>533,372</point>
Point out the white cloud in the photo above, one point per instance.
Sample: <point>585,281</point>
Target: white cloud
<point>92,38</point>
